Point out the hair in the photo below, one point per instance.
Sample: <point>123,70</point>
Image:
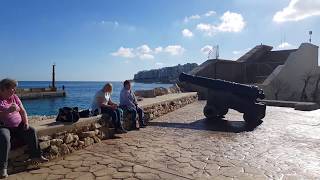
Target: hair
<point>8,83</point>
<point>108,85</point>
<point>126,82</point>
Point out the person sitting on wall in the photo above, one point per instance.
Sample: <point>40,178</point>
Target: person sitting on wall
<point>14,122</point>
<point>129,102</point>
<point>102,104</point>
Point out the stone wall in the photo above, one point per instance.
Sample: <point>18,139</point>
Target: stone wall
<point>60,140</point>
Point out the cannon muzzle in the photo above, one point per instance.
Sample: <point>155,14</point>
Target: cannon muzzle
<point>248,91</point>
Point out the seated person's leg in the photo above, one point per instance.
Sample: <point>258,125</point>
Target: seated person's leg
<point>111,113</point>
<point>119,116</point>
<point>141,117</point>
<point>29,136</point>
<point>4,151</point>
<point>133,117</point>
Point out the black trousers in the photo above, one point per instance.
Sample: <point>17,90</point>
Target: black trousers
<point>29,136</point>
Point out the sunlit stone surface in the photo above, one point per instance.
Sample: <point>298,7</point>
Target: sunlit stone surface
<point>182,145</point>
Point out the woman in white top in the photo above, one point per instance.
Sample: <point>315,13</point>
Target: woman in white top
<point>102,103</point>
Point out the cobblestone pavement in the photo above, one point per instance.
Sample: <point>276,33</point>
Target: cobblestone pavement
<point>183,145</point>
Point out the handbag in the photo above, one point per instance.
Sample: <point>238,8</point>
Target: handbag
<point>68,114</point>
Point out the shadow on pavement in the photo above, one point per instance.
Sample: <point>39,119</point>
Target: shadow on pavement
<point>221,125</point>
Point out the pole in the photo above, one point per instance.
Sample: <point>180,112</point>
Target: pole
<point>53,77</point>
<point>310,33</point>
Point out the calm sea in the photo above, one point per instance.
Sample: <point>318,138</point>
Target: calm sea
<point>79,94</point>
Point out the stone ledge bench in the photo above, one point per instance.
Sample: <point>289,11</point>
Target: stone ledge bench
<point>58,138</point>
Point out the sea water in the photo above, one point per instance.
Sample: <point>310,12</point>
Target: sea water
<point>78,94</point>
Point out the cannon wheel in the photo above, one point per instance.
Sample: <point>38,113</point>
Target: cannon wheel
<point>249,118</point>
<point>210,112</point>
<point>223,111</point>
<point>252,120</point>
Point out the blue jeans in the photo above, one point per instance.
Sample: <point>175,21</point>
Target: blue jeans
<point>116,116</point>
<point>29,136</point>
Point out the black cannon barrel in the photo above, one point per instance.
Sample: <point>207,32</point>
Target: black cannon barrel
<point>249,91</point>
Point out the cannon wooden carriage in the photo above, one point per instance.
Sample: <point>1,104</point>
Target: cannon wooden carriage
<point>223,95</point>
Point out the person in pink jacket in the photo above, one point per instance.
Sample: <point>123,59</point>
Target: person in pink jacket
<point>14,121</point>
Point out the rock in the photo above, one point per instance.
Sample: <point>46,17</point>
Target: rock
<point>88,141</point>
<point>64,149</point>
<point>96,131</point>
<point>88,134</point>
<point>96,125</point>
<point>75,137</point>
<point>174,89</point>
<point>96,139</point>
<point>44,138</point>
<point>165,75</point>
<point>44,144</point>
<point>145,93</point>
<point>81,143</point>
<point>71,149</point>
<point>56,142</point>
<point>60,134</point>
<point>160,91</point>
<point>69,138</point>
<point>54,149</point>
<point>75,144</point>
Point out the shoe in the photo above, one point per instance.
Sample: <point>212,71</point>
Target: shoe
<point>3,173</point>
<point>120,131</point>
<point>40,159</point>
<point>142,126</point>
<point>135,128</point>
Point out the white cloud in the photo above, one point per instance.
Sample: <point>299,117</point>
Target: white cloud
<point>208,29</point>
<point>187,33</point>
<point>298,10</point>
<point>206,49</point>
<point>209,13</point>
<point>158,50</point>
<point>284,45</point>
<point>230,22</point>
<point>236,52</point>
<point>187,19</point>
<point>146,56</point>
<point>174,50</point>
<point>124,52</point>
<point>145,52</point>
<point>197,16</point>
<point>144,49</point>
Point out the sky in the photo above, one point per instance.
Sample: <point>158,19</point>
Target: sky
<point>111,40</point>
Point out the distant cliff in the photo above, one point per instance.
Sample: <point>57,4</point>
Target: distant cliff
<point>163,75</point>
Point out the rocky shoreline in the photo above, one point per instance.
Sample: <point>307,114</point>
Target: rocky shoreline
<point>163,75</point>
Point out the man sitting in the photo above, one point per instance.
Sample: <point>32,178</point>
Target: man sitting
<point>128,102</point>
<point>102,104</point>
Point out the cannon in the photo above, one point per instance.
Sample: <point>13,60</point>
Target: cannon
<point>223,95</point>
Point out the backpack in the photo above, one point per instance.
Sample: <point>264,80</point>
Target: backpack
<point>68,114</point>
